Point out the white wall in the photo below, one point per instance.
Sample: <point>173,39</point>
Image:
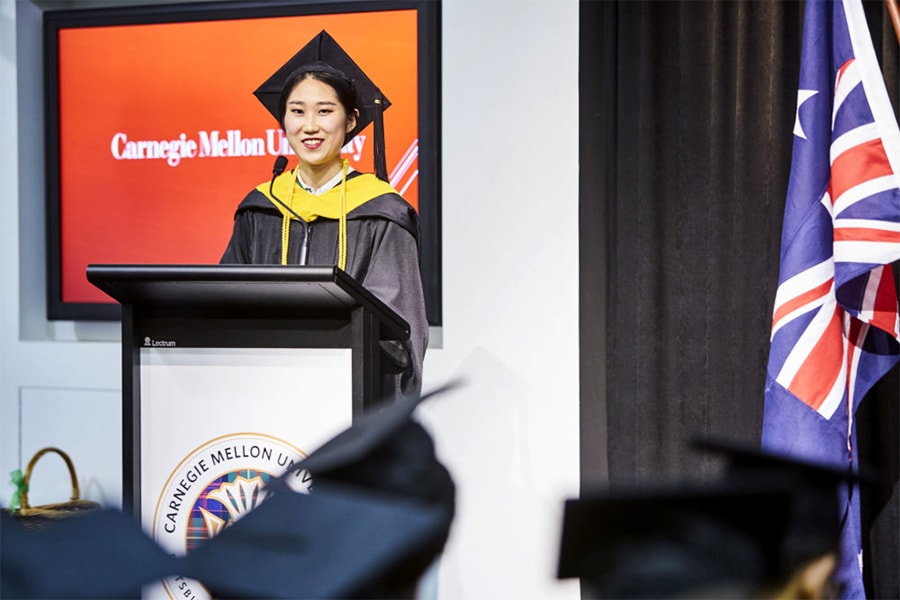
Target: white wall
<point>510,248</point>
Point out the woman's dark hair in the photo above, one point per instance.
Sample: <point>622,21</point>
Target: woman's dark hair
<point>340,83</point>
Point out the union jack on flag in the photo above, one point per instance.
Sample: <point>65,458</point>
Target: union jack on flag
<point>835,325</point>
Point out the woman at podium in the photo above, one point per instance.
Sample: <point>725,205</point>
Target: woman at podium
<point>323,212</point>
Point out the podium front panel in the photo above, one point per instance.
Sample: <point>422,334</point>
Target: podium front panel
<point>218,423</point>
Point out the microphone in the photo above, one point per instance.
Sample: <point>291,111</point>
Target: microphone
<point>280,164</point>
<point>277,169</point>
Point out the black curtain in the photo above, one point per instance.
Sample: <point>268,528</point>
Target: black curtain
<point>686,113</point>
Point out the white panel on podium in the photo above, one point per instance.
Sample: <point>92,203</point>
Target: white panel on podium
<point>218,423</point>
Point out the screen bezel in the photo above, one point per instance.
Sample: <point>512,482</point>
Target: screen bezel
<point>429,118</point>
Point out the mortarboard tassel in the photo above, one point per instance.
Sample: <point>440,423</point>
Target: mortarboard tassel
<point>380,161</point>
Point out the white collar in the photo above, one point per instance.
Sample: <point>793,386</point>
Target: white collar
<point>326,186</point>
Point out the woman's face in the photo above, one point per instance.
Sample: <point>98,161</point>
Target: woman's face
<point>315,123</point>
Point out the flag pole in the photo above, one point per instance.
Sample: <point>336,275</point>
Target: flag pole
<point>894,11</point>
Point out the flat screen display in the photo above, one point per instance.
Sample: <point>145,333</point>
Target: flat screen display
<point>154,135</point>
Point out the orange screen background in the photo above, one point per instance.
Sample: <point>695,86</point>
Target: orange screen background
<point>157,82</point>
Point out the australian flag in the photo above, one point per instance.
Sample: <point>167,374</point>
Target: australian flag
<point>835,323</point>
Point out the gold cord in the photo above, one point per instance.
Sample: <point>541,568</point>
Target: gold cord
<point>285,232</point>
<point>342,224</point>
<point>286,223</point>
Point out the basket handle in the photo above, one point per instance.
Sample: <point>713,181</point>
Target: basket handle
<point>75,493</point>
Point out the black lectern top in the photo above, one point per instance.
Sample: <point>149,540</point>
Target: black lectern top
<point>306,291</point>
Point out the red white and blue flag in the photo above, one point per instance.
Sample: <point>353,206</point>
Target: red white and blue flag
<point>835,325</point>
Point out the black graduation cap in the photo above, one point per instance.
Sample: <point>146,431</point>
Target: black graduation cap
<point>386,450</point>
<point>378,514</point>
<point>680,541</point>
<point>332,543</point>
<point>102,554</point>
<point>323,49</point>
<point>750,530</point>
<point>820,492</point>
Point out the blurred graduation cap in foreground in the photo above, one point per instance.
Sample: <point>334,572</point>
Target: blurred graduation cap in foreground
<point>749,534</point>
<point>323,52</point>
<point>378,515</point>
<point>335,543</point>
<point>388,451</point>
<point>819,493</point>
<point>102,554</point>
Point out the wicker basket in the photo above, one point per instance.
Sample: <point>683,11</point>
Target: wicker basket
<point>35,517</point>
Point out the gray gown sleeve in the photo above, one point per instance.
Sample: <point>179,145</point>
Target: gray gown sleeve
<point>393,276</point>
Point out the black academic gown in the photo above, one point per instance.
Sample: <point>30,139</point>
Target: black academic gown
<point>382,255</point>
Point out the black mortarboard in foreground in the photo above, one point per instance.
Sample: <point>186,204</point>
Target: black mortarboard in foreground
<point>334,543</point>
<point>386,450</point>
<point>819,493</point>
<point>323,49</point>
<point>739,536</point>
<point>102,554</point>
<point>378,515</point>
<point>673,542</point>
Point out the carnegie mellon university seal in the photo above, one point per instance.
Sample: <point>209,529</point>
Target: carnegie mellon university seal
<point>214,486</point>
